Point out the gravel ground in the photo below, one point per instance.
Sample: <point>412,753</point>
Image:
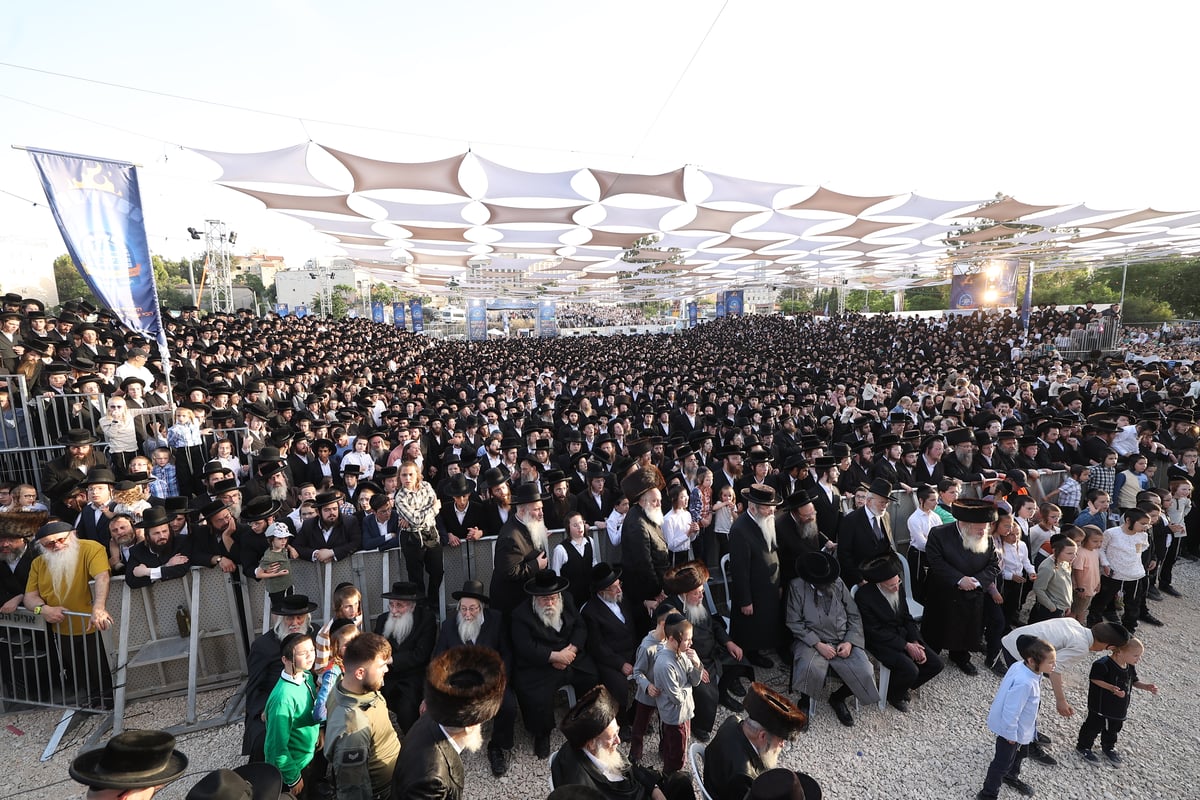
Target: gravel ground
<point>940,749</point>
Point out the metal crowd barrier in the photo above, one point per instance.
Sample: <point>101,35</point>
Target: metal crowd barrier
<point>63,665</point>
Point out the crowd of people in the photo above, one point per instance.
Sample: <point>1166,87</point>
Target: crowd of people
<point>756,457</point>
<point>590,315</point>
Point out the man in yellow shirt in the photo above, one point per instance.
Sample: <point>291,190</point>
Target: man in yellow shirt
<point>58,584</point>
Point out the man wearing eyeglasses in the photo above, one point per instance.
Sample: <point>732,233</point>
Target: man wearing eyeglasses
<point>58,584</point>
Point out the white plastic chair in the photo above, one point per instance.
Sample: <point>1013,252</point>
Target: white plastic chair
<point>915,609</point>
<point>696,759</point>
<point>550,774</point>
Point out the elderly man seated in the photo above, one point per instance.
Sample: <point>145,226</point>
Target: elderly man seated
<point>828,633</point>
<point>745,748</point>
<point>549,639</point>
<point>892,635</point>
<point>591,756</point>
<point>411,629</point>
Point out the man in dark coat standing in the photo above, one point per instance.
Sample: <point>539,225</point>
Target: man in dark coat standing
<point>521,549</point>
<point>464,687</point>
<point>866,533</point>
<point>612,640</point>
<point>963,566</point>
<point>476,624</point>
<point>644,555</point>
<point>796,533</point>
<point>411,629</point>
<point>754,576</point>
<point>745,748</point>
<point>549,651</point>
<point>891,634</point>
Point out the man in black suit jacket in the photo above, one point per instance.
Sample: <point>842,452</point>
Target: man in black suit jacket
<point>381,528</point>
<point>463,690</point>
<point>521,549</point>
<point>159,556</point>
<point>463,518</point>
<point>612,639</point>
<point>411,629</point>
<point>476,624</point>
<point>329,536</point>
<point>866,533</point>
<point>826,498</point>
<point>891,634</point>
<point>596,501</point>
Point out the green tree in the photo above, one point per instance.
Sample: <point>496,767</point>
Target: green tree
<point>70,283</point>
<point>927,298</point>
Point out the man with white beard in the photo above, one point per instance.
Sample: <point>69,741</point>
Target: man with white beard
<point>755,590</point>
<point>963,563</point>
<point>291,614</point>
<point>612,639</point>
<point>591,756</point>
<point>644,555</point>
<point>411,629</point>
<point>745,748</point>
<point>463,689</point>
<point>475,623</point>
<point>521,549</point>
<point>549,651</point>
<point>58,583</point>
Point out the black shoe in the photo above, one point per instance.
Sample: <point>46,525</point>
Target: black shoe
<point>967,667</point>
<point>1021,786</point>
<point>760,660</point>
<point>738,689</point>
<point>1189,557</point>
<point>702,736</point>
<point>1041,756</point>
<point>1150,619</point>
<point>899,704</point>
<point>731,703</point>
<point>1042,738</point>
<point>1113,756</point>
<point>1153,593</point>
<point>843,713</point>
<point>541,746</point>
<point>1171,590</point>
<point>1088,756</point>
<point>498,760</point>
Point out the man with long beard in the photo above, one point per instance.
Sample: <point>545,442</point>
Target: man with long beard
<point>360,742</point>
<point>754,576</point>
<point>476,624</point>
<point>561,503</point>
<point>80,458</point>
<point>963,564</point>
<point>745,748</point>
<point>463,689</point>
<point>644,555</point>
<point>549,651</point>
<point>521,549</point>
<point>591,756</point>
<point>159,556</point>
<point>58,583</point>
<point>411,630</point>
<point>796,533</point>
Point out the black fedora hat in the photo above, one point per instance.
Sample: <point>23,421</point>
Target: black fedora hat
<point>603,576</point>
<point>77,437</point>
<point>293,605</point>
<point>526,493</point>
<point>405,590</point>
<point>495,476</point>
<point>134,759</point>
<point>175,506</point>
<point>881,487</point>
<point>818,568</point>
<point>473,589</point>
<point>797,499</point>
<point>154,516</point>
<point>545,582</point>
<point>256,781</point>
<point>460,486</point>
<point>761,494</point>
<point>261,507</point>
<point>100,475</point>
<point>968,509</point>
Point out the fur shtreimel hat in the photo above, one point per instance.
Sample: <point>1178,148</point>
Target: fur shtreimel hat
<point>464,686</point>
<point>773,711</point>
<point>588,718</point>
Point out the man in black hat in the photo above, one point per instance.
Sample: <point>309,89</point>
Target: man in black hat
<point>612,639</point>
<point>549,651</point>
<point>644,554</point>
<point>866,533</point>
<point>462,519</point>
<point>11,346</point>
<point>797,533</point>
<point>292,614</point>
<point>411,629</point>
<point>892,636</point>
<point>17,529</point>
<point>755,590</point>
<point>828,634</point>
<point>743,749</point>
<point>159,556</point>
<point>596,501</point>
<point>331,535</point>
<point>476,624</point>
<point>590,757</point>
<point>132,765</point>
<point>963,567</point>
<point>464,687</point>
<point>247,782</point>
<point>78,460</point>
<point>521,549</point>
<point>58,583</point>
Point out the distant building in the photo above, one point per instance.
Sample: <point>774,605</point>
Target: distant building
<point>259,264</point>
<point>298,287</point>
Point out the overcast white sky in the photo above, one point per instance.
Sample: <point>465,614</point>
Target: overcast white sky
<point>1050,102</point>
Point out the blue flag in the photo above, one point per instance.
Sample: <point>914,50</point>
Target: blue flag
<point>98,208</point>
<point>417,311</point>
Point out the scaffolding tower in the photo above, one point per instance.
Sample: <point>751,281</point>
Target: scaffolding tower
<point>216,258</point>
